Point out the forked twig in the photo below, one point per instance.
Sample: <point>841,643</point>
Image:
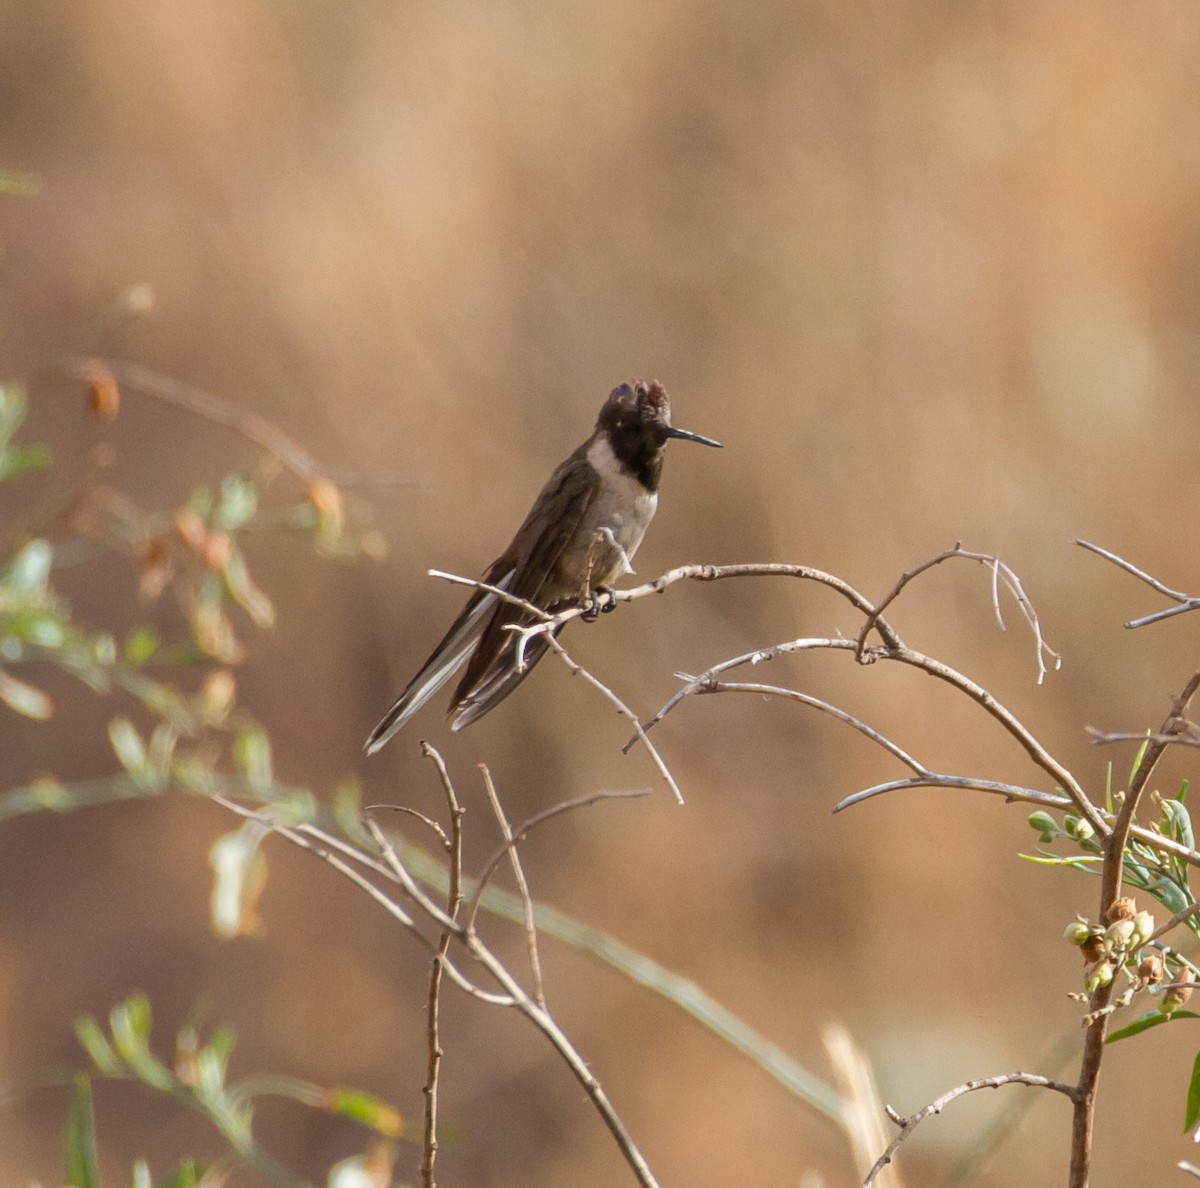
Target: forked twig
<point>453,846</point>
<point>1000,573</point>
<point>510,844</point>
<point>199,403</point>
<point>1185,602</point>
<point>909,1124</point>
<point>512,838</point>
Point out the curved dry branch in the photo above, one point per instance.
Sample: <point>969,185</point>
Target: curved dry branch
<point>903,654</point>
<point>1185,602</point>
<point>909,1124</point>
<point>826,708</point>
<point>196,401</point>
<point>1001,573</point>
<point>933,779</point>
<point>513,837</point>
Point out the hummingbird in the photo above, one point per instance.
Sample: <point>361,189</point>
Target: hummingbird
<point>578,538</point>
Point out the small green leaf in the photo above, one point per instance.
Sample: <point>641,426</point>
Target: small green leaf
<point>252,754</point>
<point>1170,894</point>
<point>187,1175</point>
<point>19,182</point>
<point>128,746</point>
<point>91,1035</point>
<point>25,699</point>
<point>140,645</point>
<point>18,460</point>
<point>1046,826</point>
<point>239,876</point>
<point>246,593</point>
<point>30,569</point>
<point>367,1110</point>
<point>238,502</point>
<point>1146,1021</point>
<point>162,747</point>
<point>130,1023</point>
<point>1192,1114</point>
<point>82,1166</point>
<point>1178,822</point>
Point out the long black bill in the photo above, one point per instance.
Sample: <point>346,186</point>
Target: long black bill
<point>684,435</point>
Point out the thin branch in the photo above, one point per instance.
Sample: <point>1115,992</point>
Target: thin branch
<point>825,707</point>
<point>453,845</point>
<point>1188,736</point>
<point>197,402</point>
<point>428,822</point>
<point>316,841</point>
<point>514,995</point>
<point>1178,918</point>
<point>510,844</point>
<point>1186,602</point>
<point>931,779</point>
<point>538,1015</point>
<point>1000,573</point>
<point>909,1124</point>
<point>903,654</point>
<point>621,708</point>
<point>513,838</point>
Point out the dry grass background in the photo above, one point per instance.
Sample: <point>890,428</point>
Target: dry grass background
<point>929,271</point>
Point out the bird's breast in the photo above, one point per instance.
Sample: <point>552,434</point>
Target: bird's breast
<point>622,506</point>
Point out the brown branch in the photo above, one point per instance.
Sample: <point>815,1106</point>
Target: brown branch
<point>909,1124</point>
<point>903,654</point>
<point>197,402</point>
<point>510,844</point>
<point>1188,736</point>
<point>1111,875</point>
<point>322,845</point>
<point>1000,573</point>
<point>513,838</point>
<point>578,669</point>
<point>1186,602</point>
<point>453,846</point>
<point>519,999</point>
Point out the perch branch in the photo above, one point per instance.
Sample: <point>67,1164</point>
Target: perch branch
<point>909,1124</point>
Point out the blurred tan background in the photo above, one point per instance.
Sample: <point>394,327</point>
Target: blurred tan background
<point>930,271</point>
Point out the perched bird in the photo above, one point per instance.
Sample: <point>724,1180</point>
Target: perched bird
<point>579,536</point>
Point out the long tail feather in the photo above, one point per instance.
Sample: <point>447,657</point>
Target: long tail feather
<point>448,657</point>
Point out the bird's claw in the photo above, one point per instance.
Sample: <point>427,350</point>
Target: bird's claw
<point>600,601</point>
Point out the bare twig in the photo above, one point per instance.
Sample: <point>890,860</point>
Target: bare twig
<point>513,994</point>
<point>932,779</point>
<point>197,402</point>
<point>519,998</point>
<point>909,1124</point>
<point>1186,602</point>
<point>428,822</point>
<point>903,654</point>
<point>323,845</point>
<point>1000,573</point>
<point>510,844</point>
<point>624,710</point>
<point>824,706</point>
<point>514,837</point>
<point>1188,735</point>
<point>453,846</point>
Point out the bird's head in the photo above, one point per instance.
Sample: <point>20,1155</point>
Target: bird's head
<point>637,419</point>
